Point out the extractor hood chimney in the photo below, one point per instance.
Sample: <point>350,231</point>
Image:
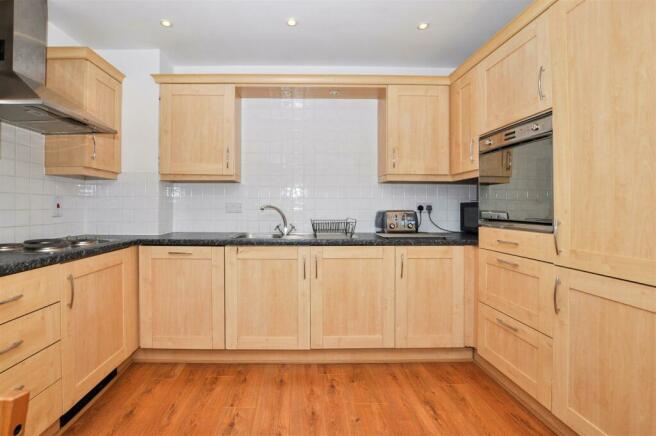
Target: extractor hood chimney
<point>24,100</point>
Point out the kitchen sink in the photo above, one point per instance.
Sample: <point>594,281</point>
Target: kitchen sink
<point>273,236</point>
<point>292,236</point>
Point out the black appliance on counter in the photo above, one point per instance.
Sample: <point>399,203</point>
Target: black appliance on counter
<point>469,217</point>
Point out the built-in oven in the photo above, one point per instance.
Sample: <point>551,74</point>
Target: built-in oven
<point>515,185</point>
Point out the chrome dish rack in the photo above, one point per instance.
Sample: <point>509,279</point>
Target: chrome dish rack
<point>334,226</point>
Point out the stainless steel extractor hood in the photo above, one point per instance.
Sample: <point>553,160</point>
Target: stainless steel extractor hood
<point>24,100</point>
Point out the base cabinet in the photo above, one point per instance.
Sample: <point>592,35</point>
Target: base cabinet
<point>605,355</point>
<point>93,336</point>
<point>429,297</point>
<point>267,298</point>
<point>181,297</point>
<point>352,297</point>
<point>522,354</point>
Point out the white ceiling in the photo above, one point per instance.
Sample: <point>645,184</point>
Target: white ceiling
<point>254,32</point>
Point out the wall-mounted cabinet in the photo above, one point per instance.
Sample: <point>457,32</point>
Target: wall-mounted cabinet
<point>200,122</point>
<point>199,132</point>
<point>465,104</point>
<point>413,134</point>
<point>516,77</point>
<point>92,83</point>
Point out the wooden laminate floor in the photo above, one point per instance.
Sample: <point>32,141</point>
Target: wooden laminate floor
<point>308,399</point>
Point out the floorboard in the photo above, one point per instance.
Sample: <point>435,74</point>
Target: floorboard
<point>306,399</point>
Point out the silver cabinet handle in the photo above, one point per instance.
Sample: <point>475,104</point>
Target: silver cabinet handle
<point>393,157</point>
<point>316,267</point>
<point>304,274</point>
<point>556,223</point>
<point>19,387</point>
<point>11,346</point>
<point>471,150</point>
<point>228,158</point>
<point>180,253</point>
<point>505,262</point>
<point>93,153</point>
<point>555,295</point>
<point>488,142</point>
<point>71,280</point>
<point>402,262</point>
<point>11,299</point>
<point>540,94</point>
<point>506,325</point>
<point>502,241</point>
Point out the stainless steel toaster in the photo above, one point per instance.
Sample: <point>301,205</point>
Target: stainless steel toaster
<point>396,221</point>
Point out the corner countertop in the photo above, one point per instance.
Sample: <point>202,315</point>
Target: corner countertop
<point>12,263</point>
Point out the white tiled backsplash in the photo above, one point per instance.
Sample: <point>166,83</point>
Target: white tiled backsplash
<point>312,158</point>
<point>135,203</point>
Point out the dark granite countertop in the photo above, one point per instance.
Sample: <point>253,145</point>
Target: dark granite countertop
<point>11,263</point>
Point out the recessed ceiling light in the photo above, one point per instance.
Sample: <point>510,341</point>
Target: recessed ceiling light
<point>291,22</point>
<point>165,23</point>
<point>423,26</point>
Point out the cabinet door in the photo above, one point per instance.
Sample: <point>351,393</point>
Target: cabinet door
<point>605,166</point>
<point>524,355</point>
<point>516,77</point>
<point>267,298</point>
<point>197,129</point>
<point>605,355</point>
<point>93,324</point>
<point>181,297</point>
<point>418,130</point>
<point>464,119</point>
<point>520,288</point>
<point>353,297</point>
<point>429,297</point>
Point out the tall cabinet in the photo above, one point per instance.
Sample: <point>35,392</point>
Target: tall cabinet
<point>605,156</point>
<point>605,355</point>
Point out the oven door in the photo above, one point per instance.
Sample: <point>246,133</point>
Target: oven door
<point>516,186</point>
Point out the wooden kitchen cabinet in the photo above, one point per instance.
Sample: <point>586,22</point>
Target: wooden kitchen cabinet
<point>93,319</point>
<point>414,134</point>
<point>429,297</point>
<point>465,104</point>
<point>605,355</point>
<point>82,76</point>
<point>199,132</point>
<point>352,297</point>
<point>521,353</point>
<point>605,163</point>
<point>521,288</point>
<point>516,77</point>
<point>268,298</point>
<point>181,297</point>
